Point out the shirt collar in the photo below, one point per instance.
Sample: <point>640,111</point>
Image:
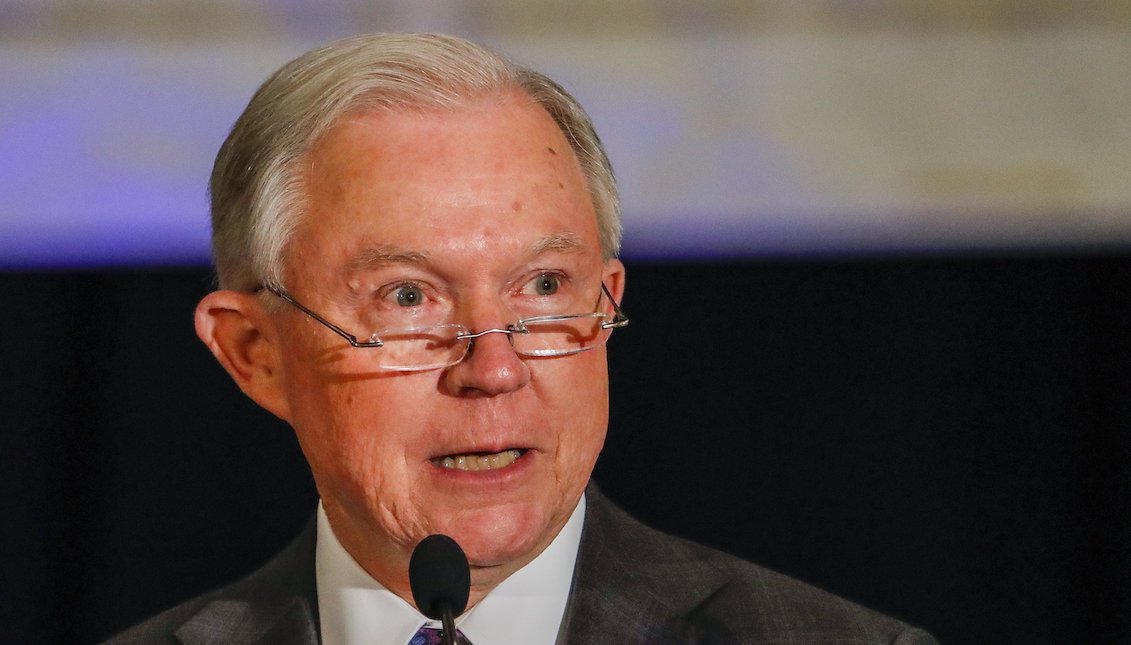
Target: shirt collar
<point>527,607</point>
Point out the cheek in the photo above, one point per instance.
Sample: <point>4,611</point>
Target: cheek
<point>322,421</point>
<point>352,429</point>
<point>358,449</point>
<point>582,401</point>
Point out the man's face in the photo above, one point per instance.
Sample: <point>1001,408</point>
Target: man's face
<point>479,215</point>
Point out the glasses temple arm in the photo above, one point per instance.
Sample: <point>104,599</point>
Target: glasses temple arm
<point>619,318</point>
<point>350,338</point>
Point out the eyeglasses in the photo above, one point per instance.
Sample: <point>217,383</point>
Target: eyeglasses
<point>438,346</point>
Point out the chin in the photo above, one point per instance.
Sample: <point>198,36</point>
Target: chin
<point>514,533</point>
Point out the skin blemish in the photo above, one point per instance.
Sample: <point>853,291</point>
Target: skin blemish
<point>516,206</point>
<point>552,151</point>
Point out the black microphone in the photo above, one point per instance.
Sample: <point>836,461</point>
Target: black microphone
<point>440,579</point>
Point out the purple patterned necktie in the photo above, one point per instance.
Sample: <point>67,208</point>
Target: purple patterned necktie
<point>431,636</point>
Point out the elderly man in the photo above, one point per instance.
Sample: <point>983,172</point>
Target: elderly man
<point>416,243</point>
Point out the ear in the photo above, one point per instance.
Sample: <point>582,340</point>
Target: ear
<point>613,276</point>
<point>242,336</point>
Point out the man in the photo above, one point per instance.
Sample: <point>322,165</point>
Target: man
<point>416,244</point>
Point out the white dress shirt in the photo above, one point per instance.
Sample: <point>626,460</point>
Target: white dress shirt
<point>526,608</point>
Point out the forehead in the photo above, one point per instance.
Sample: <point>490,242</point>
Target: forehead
<point>477,177</point>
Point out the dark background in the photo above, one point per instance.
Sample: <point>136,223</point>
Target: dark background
<point>942,438</point>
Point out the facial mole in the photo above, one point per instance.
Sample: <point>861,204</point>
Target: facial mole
<point>552,151</point>
<point>561,185</point>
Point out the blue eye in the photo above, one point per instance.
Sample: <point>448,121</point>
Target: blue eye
<point>546,284</point>
<point>409,296</point>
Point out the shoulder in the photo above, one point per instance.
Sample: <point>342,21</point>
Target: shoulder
<point>673,590</point>
<point>162,627</point>
<point>281,595</point>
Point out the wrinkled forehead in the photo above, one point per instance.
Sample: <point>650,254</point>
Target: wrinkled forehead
<point>424,178</point>
<point>438,122</point>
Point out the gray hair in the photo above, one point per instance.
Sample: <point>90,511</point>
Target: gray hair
<point>256,185</point>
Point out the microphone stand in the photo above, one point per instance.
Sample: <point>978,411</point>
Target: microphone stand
<point>449,633</point>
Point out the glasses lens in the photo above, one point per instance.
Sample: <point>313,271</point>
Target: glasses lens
<point>424,348</point>
<point>561,335</point>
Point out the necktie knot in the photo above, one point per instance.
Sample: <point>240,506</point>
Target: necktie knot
<point>431,636</point>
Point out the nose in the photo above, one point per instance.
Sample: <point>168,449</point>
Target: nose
<point>491,366</point>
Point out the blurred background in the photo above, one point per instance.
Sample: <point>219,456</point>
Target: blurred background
<point>737,127</point>
<point>909,221</point>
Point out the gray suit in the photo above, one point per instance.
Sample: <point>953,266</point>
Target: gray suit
<point>631,585</point>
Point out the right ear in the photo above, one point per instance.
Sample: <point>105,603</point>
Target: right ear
<point>242,336</point>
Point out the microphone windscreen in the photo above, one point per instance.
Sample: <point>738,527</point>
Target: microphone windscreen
<point>439,571</point>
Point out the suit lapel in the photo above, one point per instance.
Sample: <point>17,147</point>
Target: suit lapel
<point>633,584</point>
<point>238,622</point>
<point>278,604</point>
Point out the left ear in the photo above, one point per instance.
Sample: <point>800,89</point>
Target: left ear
<point>240,333</point>
<point>613,276</point>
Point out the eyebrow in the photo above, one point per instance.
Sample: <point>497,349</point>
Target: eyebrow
<point>379,256</point>
<point>565,242</point>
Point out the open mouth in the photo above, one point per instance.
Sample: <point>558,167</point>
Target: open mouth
<point>480,460</point>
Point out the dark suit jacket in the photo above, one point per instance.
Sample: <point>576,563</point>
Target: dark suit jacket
<point>631,585</point>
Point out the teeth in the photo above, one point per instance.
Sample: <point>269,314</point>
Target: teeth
<point>480,462</point>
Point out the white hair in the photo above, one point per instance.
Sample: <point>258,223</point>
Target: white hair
<point>256,185</point>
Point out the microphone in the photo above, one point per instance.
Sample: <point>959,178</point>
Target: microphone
<point>440,578</point>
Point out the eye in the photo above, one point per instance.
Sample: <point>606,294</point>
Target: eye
<point>546,284</point>
<point>409,295</point>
